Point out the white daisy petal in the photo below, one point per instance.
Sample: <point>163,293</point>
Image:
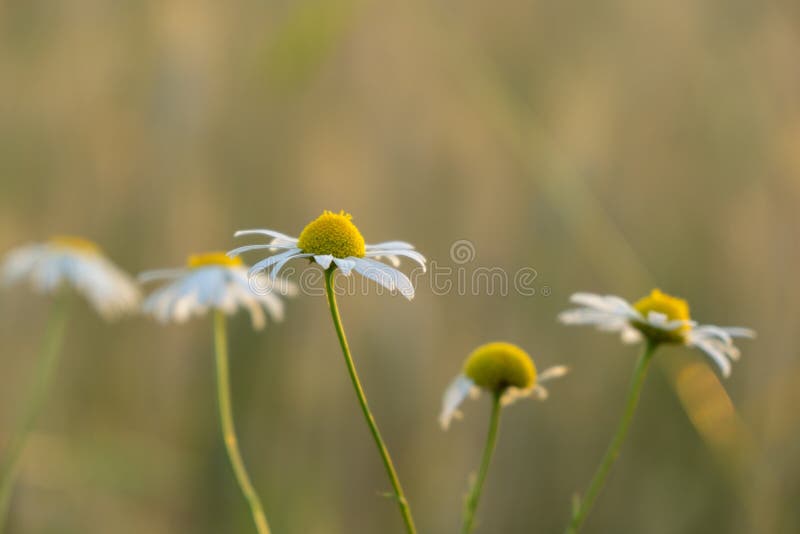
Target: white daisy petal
<point>346,265</point>
<point>557,371</point>
<point>390,245</point>
<point>247,248</point>
<point>270,233</point>
<point>717,356</point>
<point>266,263</point>
<point>412,254</point>
<point>324,260</point>
<point>454,395</point>
<point>385,275</point>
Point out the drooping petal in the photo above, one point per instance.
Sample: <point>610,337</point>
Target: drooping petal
<point>324,260</point>
<point>385,275</point>
<point>454,395</point>
<point>717,355</point>
<point>346,265</point>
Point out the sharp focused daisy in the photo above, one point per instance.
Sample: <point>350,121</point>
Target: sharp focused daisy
<point>214,281</point>
<point>333,239</point>
<point>507,373</point>
<point>334,242</point>
<point>657,318</point>
<point>54,267</point>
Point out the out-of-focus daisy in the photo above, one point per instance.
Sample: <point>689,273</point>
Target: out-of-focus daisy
<point>333,240</point>
<point>214,281</point>
<point>78,263</point>
<point>660,318</point>
<point>501,369</point>
<point>507,373</point>
<point>657,319</point>
<point>51,267</point>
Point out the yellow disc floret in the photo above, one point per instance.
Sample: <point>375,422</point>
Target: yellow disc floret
<point>334,234</point>
<point>674,308</point>
<point>207,259</point>
<point>75,243</point>
<point>497,366</point>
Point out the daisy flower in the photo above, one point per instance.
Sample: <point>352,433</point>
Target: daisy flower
<point>506,372</point>
<point>333,240</point>
<point>214,280</point>
<point>78,263</point>
<point>498,368</point>
<point>656,319</point>
<point>50,267</point>
<point>335,244</point>
<point>660,318</point>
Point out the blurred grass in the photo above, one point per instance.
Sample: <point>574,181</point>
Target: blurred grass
<point>611,147</point>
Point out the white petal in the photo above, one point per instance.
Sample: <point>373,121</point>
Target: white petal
<point>717,355</point>
<point>346,265</point>
<point>453,396</point>
<point>412,254</point>
<point>267,262</point>
<point>270,233</point>
<point>390,245</point>
<point>550,373</point>
<point>324,260</point>
<point>387,276</point>
<point>248,248</point>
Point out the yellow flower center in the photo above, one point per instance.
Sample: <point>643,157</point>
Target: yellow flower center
<point>206,259</point>
<point>497,366</point>
<point>334,234</point>
<point>75,243</point>
<point>673,308</point>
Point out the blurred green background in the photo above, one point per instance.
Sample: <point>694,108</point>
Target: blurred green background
<point>611,146</point>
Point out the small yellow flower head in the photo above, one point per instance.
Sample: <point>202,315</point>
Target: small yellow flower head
<point>498,366</point>
<point>333,234</point>
<point>674,308</point>
<point>75,243</point>
<point>207,259</point>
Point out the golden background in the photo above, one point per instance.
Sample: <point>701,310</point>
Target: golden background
<point>611,146</point>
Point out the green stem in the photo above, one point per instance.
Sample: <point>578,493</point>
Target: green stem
<point>471,504</point>
<point>405,510</point>
<point>228,429</point>
<point>585,505</point>
<point>48,362</point>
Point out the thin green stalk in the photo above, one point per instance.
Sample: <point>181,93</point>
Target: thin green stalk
<point>48,362</point>
<point>471,504</point>
<point>228,429</point>
<point>585,505</point>
<point>405,510</point>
